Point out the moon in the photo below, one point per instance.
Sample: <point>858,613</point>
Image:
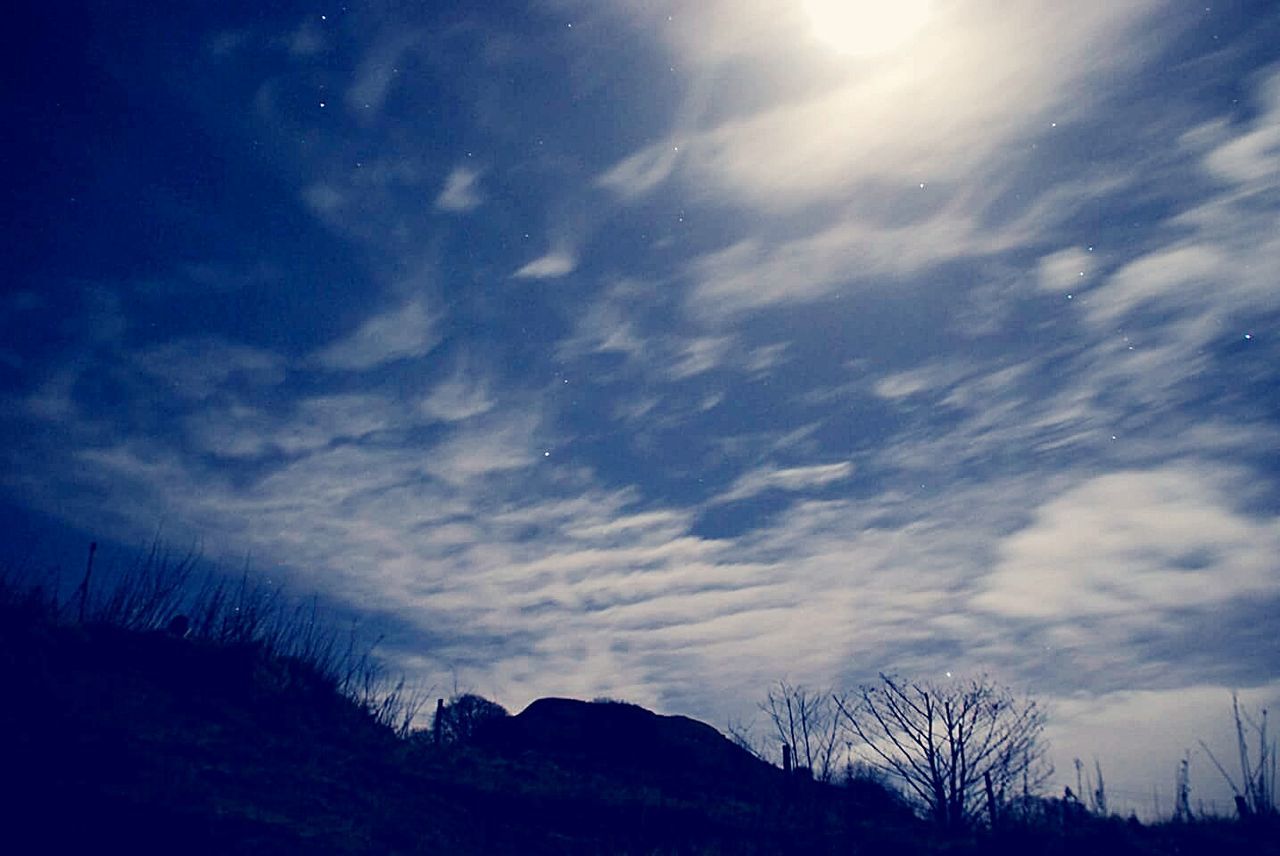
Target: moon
<point>866,27</point>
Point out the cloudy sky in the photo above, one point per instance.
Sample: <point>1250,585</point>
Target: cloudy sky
<point>663,348</point>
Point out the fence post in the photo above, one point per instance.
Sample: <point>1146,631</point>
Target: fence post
<point>84,584</point>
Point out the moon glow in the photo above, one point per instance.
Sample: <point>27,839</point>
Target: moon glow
<point>866,27</point>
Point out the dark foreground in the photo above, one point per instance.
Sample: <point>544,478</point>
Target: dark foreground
<point>144,742</point>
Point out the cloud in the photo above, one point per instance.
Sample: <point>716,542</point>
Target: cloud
<point>1180,273</point>
<point>376,199</point>
<point>629,319</point>
<point>765,358</point>
<point>378,71</point>
<point>1130,543</point>
<point>604,327</point>
<point>199,367</point>
<point>554,264</point>
<point>993,75</point>
<point>1252,159</point>
<point>754,273</point>
<point>639,173</point>
<point>906,384</point>
<point>699,355</point>
<point>907,165</point>
<point>792,479</point>
<point>226,42</point>
<point>323,199</point>
<point>578,589</point>
<point>307,40</point>
<point>658,526</point>
<point>1065,270</point>
<point>858,254</point>
<point>457,398</point>
<point>314,423</point>
<point>1226,243</point>
<point>54,400</point>
<point>495,447</point>
<point>461,191</point>
<point>402,333</point>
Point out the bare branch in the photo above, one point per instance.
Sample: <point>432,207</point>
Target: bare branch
<point>944,742</point>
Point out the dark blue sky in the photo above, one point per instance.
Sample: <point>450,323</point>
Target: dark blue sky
<point>663,349</point>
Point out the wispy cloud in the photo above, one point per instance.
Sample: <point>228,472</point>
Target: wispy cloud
<point>553,265</point>
<point>756,273</point>
<point>324,199</point>
<point>1066,270</point>
<point>699,355</point>
<point>461,190</point>
<point>790,479</point>
<point>639,173</point>
<point>240,431</point>
<point>401,333</point>
<point>494,447</point>
<point>456,398</point>
<point>196,368</point>
<point>307,40</point>
<point>906,384</point>
<point>378,73</point>
<point>603,327</point>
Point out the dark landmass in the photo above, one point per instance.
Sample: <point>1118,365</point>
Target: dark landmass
<point>146,741</point>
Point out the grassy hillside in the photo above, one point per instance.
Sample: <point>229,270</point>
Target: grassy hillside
<point>267,737</point>
<point>138,737</point>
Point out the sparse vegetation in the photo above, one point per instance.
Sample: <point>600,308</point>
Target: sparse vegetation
<point>1255,789</point>
<point>296,638</point>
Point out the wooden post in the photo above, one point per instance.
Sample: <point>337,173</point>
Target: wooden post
<point>84,584</point>
<point>438,722</point>
<point>786,757</point>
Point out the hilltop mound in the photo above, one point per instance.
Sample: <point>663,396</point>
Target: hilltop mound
<point>631,742</point>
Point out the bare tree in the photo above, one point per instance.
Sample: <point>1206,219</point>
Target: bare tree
<point>808,722</point>
<point>945,742</point>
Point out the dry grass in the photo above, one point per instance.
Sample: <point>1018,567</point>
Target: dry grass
<point>164,591</point>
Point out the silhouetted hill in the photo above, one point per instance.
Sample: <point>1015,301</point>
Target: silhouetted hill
<point>675,751</point>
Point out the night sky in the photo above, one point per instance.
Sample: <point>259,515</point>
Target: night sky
<point>661,349</point>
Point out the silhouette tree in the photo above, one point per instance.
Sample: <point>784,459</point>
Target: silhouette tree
<point>943,742</point>
<point>808,722</point>
<point>458,720</point>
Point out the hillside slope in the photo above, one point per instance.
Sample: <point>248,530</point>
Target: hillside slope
<point>150,742</point>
